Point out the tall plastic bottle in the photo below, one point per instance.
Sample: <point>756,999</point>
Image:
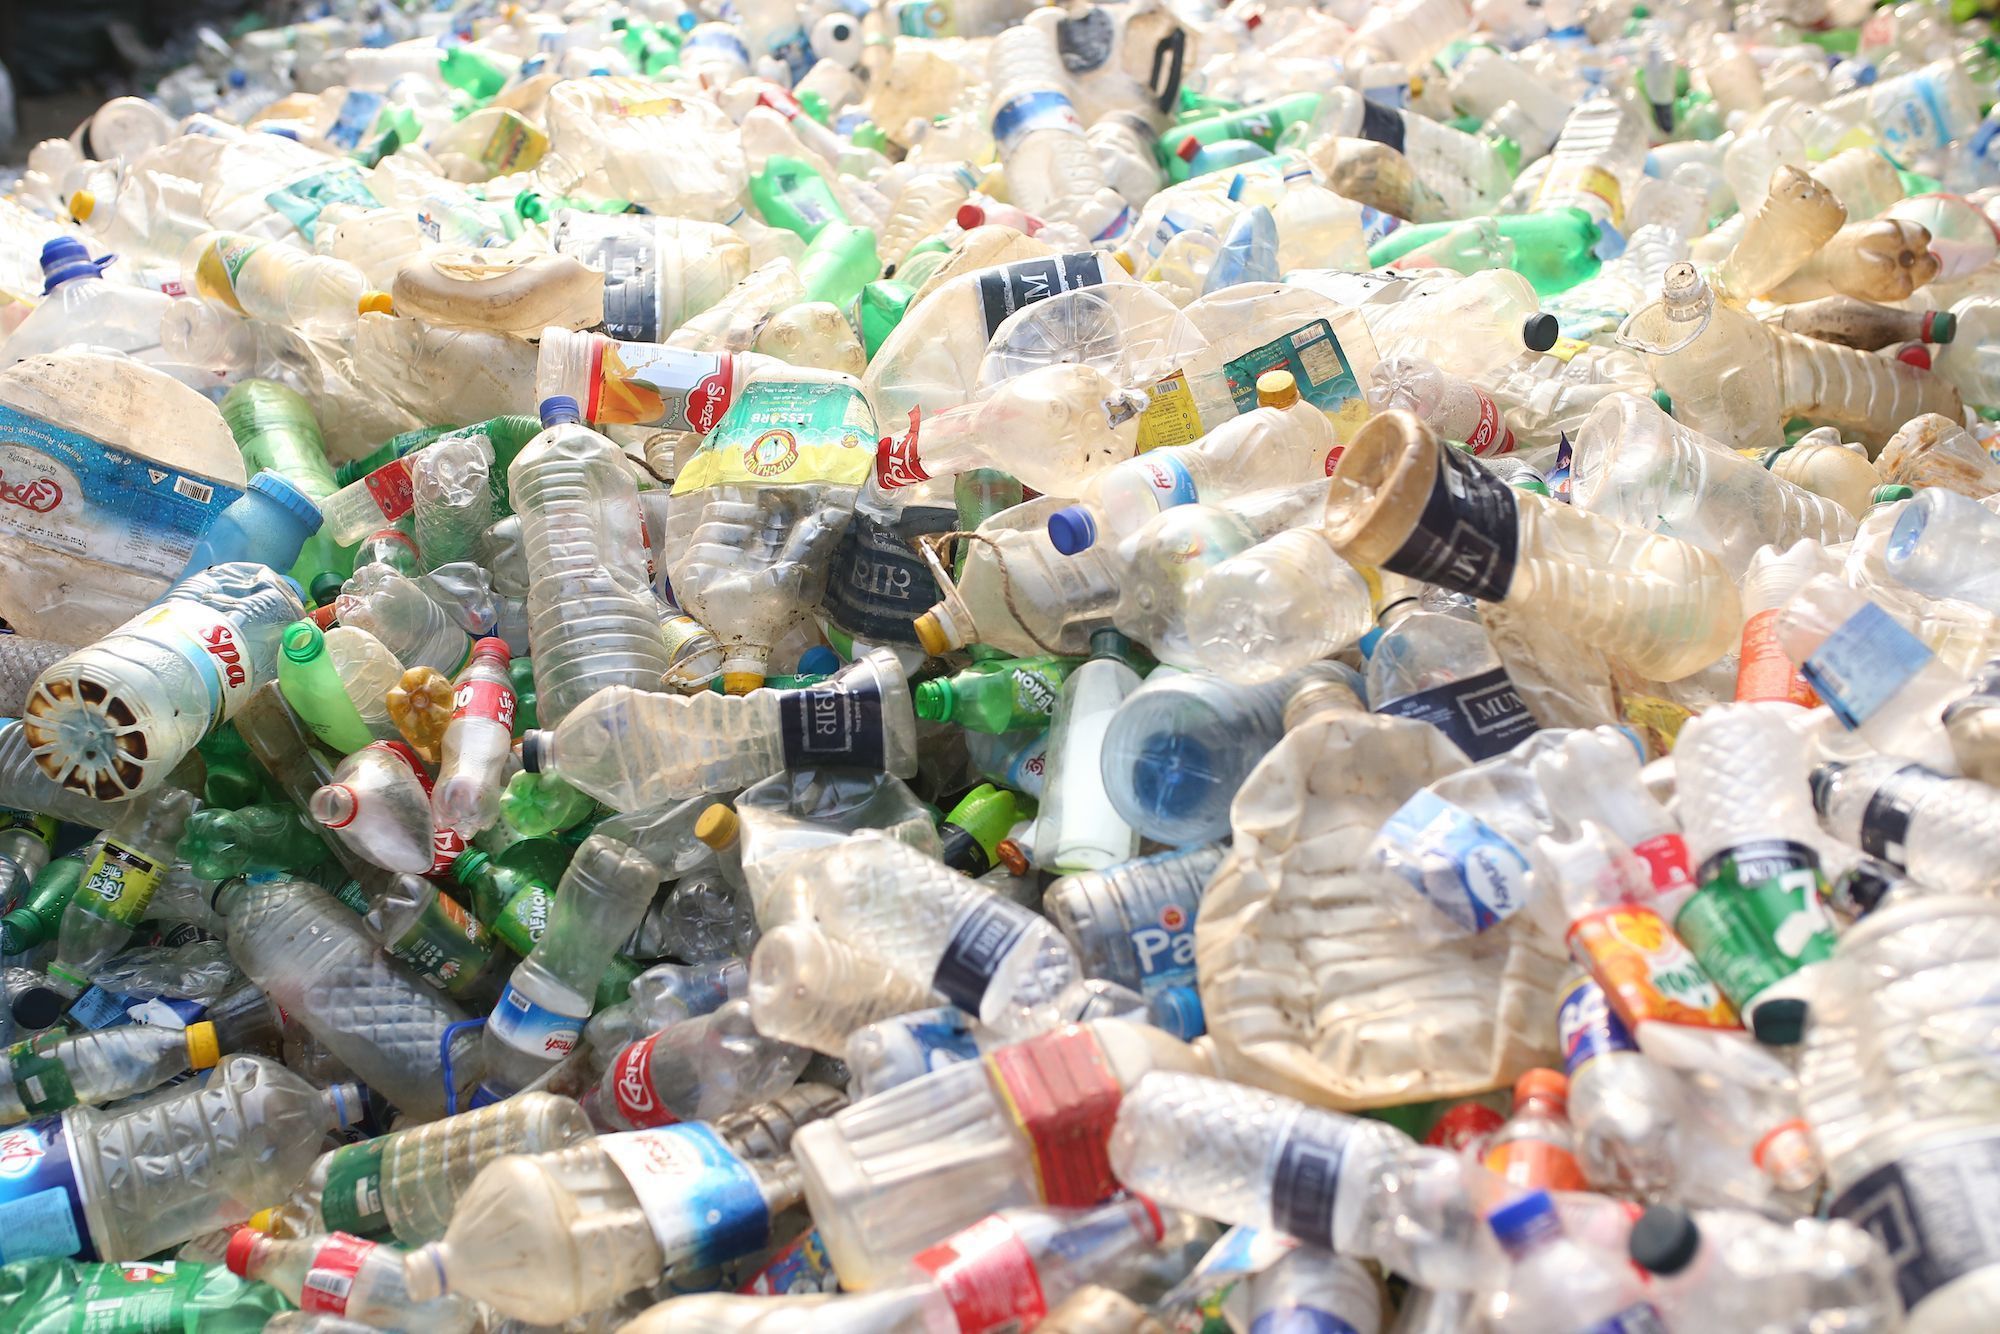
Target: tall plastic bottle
<point>313,687</point>
<point>346,1277</point>
<point>118,886</point>
<point>276,429</point>
<point>1916,819</point>
<point>1080,828</point>
<point>271,280</point>
<point>1052,170</point>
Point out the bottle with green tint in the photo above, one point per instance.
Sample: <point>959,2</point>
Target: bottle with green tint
<point>1554,249</point>
<point>311,684</point>
<point>840,262</point>
<point>879,309</point>
<point>512,904</point>
<point>278,837</point>
<point>27,841</point>
<point>616,984</point>
<point>388,452</point>
<point>1260,124</point>
<point>537,804</point>
<point>972,832</point>
<point>1005,695</point>
<point>441,942</point>
<point>478,77</point>
<point>521,671</point>
<point>230,777</point>
<point>275,428</point>
<point>789,193</point>
<point>508,435</point>
<point>118,886</point>
<point>40,914</point>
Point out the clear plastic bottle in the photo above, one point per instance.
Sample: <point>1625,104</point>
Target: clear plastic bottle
<point>451,499</point>
<point>1773,577</point>
<point>1052,170</point>
<point>477,743</point>
<point>1469,173</point>
<point>346,1277</point>
<point>1018,594</point>
<point>665,995</point>
<point>1665,607</point>
<point>633,750</point>
<point>1557,1285</point>
<point>79,306</point>
<point>52,1072</point>
<point>1081,828</point>
<point>1470,325</point>
<point>1716,1268</point>
<point>1451,405</point>
<point>1934,827</point>
<point>270,280</point>
<point>118,885</point>
<point>379,806</point>
<point>1943,545</point>
<point>112,719</point>
<point>808,988</point>
<point>539,1018</point>
<point>1357,1187</point>
<point>1133,924</point>
<point>694,1070</point>
<point>404,618</point>
<point>1442,669</point>
<point>1287,601</point>
<point>311,955</point>
<point>1309,1289</point>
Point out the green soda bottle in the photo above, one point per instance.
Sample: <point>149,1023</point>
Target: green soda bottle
<point>840,262</point>
<point>1554,249</point>
<point>1260,124</point>
<point>275,428</point>
<point>388,452</point>
<point>230,777</point>
<point>311,684</point>
<point>537,804</point>
<point>790,193</point>
<point>219,844</point>
<point>441,942</point>
<point>512,903</point>
<point>975,827</point>
<point>1004,695</point>
<point>879,309</point>
<point>41,912</point>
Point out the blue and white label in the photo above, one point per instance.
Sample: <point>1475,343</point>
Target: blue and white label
<point>702,1202</point>
<point>357,112</point>
<point>41,1204</point>
<point>1910,113</point>
<point>302,201</point>
<point>1032,112</point>
<point>1165,949</point>
<point>1587,1027</point>
<point>1171,482</point>
<point>535,1029</point>
<point>65,492</point>
<point>1861,666</point>
<point>942,1036</point>
<point>1458,863</point>
<point>98,1008</point>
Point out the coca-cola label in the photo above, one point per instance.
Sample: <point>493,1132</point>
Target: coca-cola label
<point>896,461</point>
<point>988,1276</point>
<point>632,1086</point>
<point>1488,436</point>
<point>390,487</point>
<point>491,700</point>
<point>329,1283</point>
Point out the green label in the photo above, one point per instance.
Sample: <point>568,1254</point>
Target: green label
<point>42,827</point>
<point>351,1200</point>
<point>1313,355</point>
<point>119,884</point>
<point>521,923</point>
<point>41,1081</point>
<point>446,945</point>
<point>304,200</point>
<point>353,897</point>
<point>1758,917</point>
<point>787,433</point>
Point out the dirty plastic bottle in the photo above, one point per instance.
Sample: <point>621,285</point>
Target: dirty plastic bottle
<point>808,988</point>
<point>407,620</point>
<point>50,1074</point>
<point>271,280</point>
<point>344,1276</point>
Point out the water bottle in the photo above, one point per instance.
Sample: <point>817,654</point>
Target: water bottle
<point>1133,923</point>
<point>1081,827</point>
<point>408,621</point>
<point>270,280</point>
<point>1938,544</point>
<point>1732,1265</point>
<point>51,1073</point>
<point>117,887</point>
<point>1052,171</point>
<point>1917,820</point>
<point>808,988</point>
<point>1557,1285</point>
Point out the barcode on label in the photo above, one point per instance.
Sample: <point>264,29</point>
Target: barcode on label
<point>193,490</point>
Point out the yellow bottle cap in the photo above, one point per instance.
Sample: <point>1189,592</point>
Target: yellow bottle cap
<point>82,204</point>
<point>1277,389</point>
<point>204,1050</point>
<point>264,1220</point>
<point>741,683</point>
<point>717,826</point>
<point>1124,260</point>
<point>377,303</point>
<point>930,633</point>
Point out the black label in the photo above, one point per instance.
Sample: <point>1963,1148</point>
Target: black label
<point>878,585</point>
<point>984,934</point>
<point>1755,862</point>
<point>1005,290</point>
<point>1482,714</point>
<point>1306,1179</point>
<point>835,723</point>
<point>1885,823</point>
<point>1382,124</point>
<point>1936,1212</point>
<point>1469,534</point>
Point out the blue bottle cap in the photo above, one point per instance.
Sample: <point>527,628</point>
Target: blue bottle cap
<point>1072,529</point>
<point>296,503</point>
<point>559,408</point>
<point>819,660</point>
<point>65,259</point>
<point>1525,1222</point>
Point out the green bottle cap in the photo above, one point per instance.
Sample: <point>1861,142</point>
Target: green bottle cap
<point>1890,494</point>
<point>1109,644</point>
<point>1939,326</point>
<point>468,864</point>
<point>814,105</point>
<point>986,813</point>
<point>1666,403</point>
<point>933,700</point>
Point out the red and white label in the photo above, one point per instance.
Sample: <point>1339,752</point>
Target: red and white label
<point>1763,672</point>
<point>1063,1094</point>
<point>708,400</point>
<point>988,1276</point>
<point>330,1281</point>
<point>1488,436</point>
<point>391,488</point>
<point>632,1087</point>
<point>896,461</point>
<point>491,700</point>
<point>1666,858</point>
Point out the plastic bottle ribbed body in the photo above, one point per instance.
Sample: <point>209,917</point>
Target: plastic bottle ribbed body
<point>1742,777</point>
<point>808,988</point>
<point>591,614</point>
<point>106,1065</point>
<point>925,205</point>
<point>1868,395</point>
<point>632,749</point>
<point>1098,911</point>
<point>426,1169</point>
<point>1942,831</point>
<point>1052,170</point>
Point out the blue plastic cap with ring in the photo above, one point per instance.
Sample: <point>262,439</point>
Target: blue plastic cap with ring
<point>1072,529</point>
<point>557,409</point>
<point>819,660</point>
<point>1368,641</point>
<point>273,486</point>
<point>65,260</point>
<point>1526,1221</point>
<point>1177,1009</point>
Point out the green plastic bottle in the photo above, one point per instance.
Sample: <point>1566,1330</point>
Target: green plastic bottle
<point>790,193</point>
<point>277,837</point>
<point>50,1294</point>
<point>535,805</point>
<point>973,830</point>
<point>879,309</point>
<point>478,77</point>
<point>275,428</point>
<point>230,777</point>
<point>311,684</point>
<point>1260,124</point>
<point>1553,249</point>
<point>41,912</point>
<point>513,904</point>
<point>1005,695</point>
<point>840,262</point>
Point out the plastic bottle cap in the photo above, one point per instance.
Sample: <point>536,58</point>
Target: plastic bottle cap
<point>1072,529</point>
<point>1821,781</point>
<point>377,303</point>
<point>534,750</point>
<point>491,647</point>
<point>1549,1085</point>
<point>1109,643</point>
<point>1277,389</point>
<point>819,660</point>
<point>1526,1221</point>
<point>1124,261</point>
<point>1939,326</point>
<point>970,216</point>
<point>741,683</point>
<point>1780,1021</point>
<point>1187,148</point>
<point>1009,854</point>
<point>1889,494</point>
<point>1540,331</point>
<point>930,634</point>
<point>326,586</point>
<point>273,486</point>
<point>932,700</point>
<point>66,259</point>
<point>204,1048</point>
<point>242,1243</point>
<point>1915,354</point>
<point>38,1008</point>
<point>468,863</point>
<point>717,826</point>
<point>82,204</point>
<point>1664,1240</point>
<point>557,409</point>
<point>265,1221</point>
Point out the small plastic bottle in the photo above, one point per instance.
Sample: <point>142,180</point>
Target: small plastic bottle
<point>476,743</point>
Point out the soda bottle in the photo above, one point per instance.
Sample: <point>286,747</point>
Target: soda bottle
<point>477,742</point>
<point>441,942</point>
<point>379,806</point>
<point>665,995</point>
<point>117,887</point>
<point>408,621</point>
<point>995,696</point>
<point>220,844</point>
<point>344,1276</point>
<point>52,1072</point>
<point>420,703</point>
<point>1535,1149</point>
<point>694,1070</point>
<point>40,912</point>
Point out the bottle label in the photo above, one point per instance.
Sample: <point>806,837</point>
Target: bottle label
<point>535,1029</point>
<point>329,1282</point>
<point>1455,861</point>
<point>220,264</point>
<point>1561,190</point>
<point>1468,537</point>
<point>985,931</point>
<point>1301,1320</point>
<point>1382,125</point>
<point>877,585</point>
<point>303,200</point>
<point>43,827</point>
<point>702,1202</point>
<point>1164,948</point>
<point>1762,669</point>
<point>446,946</point>
<point>1322,371</point>
<point>1885,823</point>
<point>897,462</point>
<point>521,923</point>
<point>924,18</point>
<point>390,487</point>
<point>987,1275</point>
<point>491,700</point>
<point>445,843</point>
<point>1758,917</point>
<point>119,883</point>
<point>787,433</point>
<point>1171,417</point>
<point>1909,113</point>
<point>41,1200</point>
<point>1482,715</point>
<point>41,1081</point>
<point>1647,974</point>
<point>1536,1164</point>
<point>1666,858</point>
<point>1935,1211</point>
<point>1007,289</point>
<point>650,384</point>
<point>1587,1027</point>
<point>64,492</point>
<point>1638,1318</point>
<point>632,1086</point>
<point>211,644</point>
<point>358,110</point>
<point>351,1199</point>
<point>1168,479</point>
<point>1030,113</point>
<point>943,1036</point>
<point>96,1008</point>
<point>1863,664</point>
<point>1062,1093</point>
<point>800,1268</point>
<point>1305,1176</point>
<point>834,723</point>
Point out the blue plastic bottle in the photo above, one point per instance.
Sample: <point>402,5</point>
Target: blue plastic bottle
<point>268,524</point>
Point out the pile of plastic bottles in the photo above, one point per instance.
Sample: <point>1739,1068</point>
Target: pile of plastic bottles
<point>785,665</point>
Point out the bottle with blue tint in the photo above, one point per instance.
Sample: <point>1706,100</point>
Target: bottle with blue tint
<point>1133,924</point>
<point>267,525</point>
<point>1249,251</point>
<point>78,306</point>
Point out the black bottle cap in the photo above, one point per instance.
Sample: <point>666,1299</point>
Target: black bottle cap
<point>1540,331</point>
<point>1779,1022</point>
<point>38,1008</point>
<point>1664,1239</point>
<point>534,749</point>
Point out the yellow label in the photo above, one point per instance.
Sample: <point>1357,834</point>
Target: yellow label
<point>1565,349</point>
<point>1171,418</point>
<point>1593,181</point>
<point>221,261</point>
<point>1657,720</point>
<point>514,145</point>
